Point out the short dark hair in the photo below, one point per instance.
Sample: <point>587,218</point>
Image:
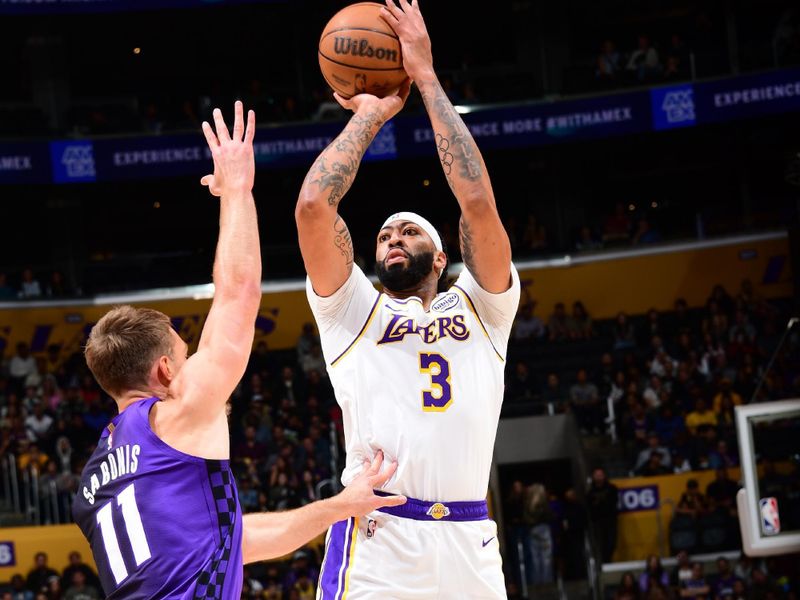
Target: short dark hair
<point>124,344</point>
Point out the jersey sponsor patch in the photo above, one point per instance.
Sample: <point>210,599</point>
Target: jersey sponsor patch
<point>447,302</point>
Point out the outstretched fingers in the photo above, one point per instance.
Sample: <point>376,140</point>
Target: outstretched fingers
<point>250,132</point>
<point>222,129</point>
<point>211,139</point>
<point>238,121</point>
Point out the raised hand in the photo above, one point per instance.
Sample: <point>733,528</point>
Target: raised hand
<point>359,499</point>
<point>234,161</point>
<point>406,20</point>
<point>388,106</point>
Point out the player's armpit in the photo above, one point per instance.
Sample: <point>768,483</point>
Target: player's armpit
<point>485,248</point>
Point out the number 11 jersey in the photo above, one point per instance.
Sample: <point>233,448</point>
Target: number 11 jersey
<point>161,523</point>
<point>426,387</point>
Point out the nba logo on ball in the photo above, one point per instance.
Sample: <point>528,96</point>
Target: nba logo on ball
<point>770,519</point>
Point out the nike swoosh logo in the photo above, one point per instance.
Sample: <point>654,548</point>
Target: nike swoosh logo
<point>486,543</point>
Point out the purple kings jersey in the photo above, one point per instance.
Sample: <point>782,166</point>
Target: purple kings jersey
<point>161,523</point>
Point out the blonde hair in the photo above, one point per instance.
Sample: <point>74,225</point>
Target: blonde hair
<point>123,346</point>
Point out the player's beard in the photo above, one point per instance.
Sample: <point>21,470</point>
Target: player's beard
<point>401,278</point>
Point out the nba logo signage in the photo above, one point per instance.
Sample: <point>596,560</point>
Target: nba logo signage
<point>73,162</point>
<point>673,107</point>
<point>770,519</point>
<point>7,557</point>
<point>636,499</point>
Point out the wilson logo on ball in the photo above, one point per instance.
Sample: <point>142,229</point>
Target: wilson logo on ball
<point>356,47</point>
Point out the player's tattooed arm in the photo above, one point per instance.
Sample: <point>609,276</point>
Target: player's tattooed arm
<point>335,169</point>
<point>485,247</point>
<point>343,241</point>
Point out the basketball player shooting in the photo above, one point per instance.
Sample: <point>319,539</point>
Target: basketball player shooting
<point>418,374</point>
<point>157,499</point>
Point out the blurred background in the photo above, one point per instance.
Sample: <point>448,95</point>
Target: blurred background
<point>645,157</point>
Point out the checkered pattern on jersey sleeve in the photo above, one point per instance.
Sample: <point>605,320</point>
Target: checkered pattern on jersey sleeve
<point>211,581</point>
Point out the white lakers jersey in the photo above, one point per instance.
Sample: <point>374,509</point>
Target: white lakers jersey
<point>425,387</point>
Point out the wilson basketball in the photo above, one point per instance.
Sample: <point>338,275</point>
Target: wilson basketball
<point>359,53</point>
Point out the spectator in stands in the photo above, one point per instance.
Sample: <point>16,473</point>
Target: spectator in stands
<point>516,519</point>
<point>39,425</point>
<point>534,238</point>
<point>645,234</point>
<point>726,392</point>
<point>696,586</point>
<point>638,425</point>
<point>700,417</point>
<point>38,576</point>
<point>722,456</point>
<point>692,501</point>
<point>585,403</point>
<point>601,499</point>
<point>559,328</point>
<point>742,331</point>
<point>652,393</point>
<point>20,367</point>
<point>314,361</point>
<point>608,63</point>
<point>19,589</point>
<point>724,581</point>
<point>574,523</point>
<point>654,574</point>
<point>76,564</point>
<point>624,333</point>
<point>617,227</point>
<point>653,447</point>
<point>668,424</point>
<point>527,327</point>
<point>672,69</point>
<point>308,338</point>
<point>627,589</point>
<point>682,571</point>
<point>553,392</point>
<point>538,516</point>
<point>30,288</point>
<point>654,465</point>
<point>57,287</point>
<point>722,490</point>
<point>7,292</point>
<point>581,323</point>
<point>80,589</point>
<point>30,456</point>
<point>261,363</point>
<point>722,299</point>
<point>644,62</point>
<point>520,384</point>
<point>248,495</point>
<point>586,240</point>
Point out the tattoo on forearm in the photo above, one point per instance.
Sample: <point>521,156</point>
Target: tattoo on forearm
<point>336,167</point>
<point>454,143</point>
<point>343,241</point>
<point>465,237</point>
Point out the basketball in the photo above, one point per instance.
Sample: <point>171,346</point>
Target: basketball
<point>359,53</point>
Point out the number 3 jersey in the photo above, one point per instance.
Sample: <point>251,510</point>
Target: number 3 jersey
<point>161,523</point>
<point>426,387</point>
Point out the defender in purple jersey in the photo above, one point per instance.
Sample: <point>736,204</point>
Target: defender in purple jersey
<point>157,500</point>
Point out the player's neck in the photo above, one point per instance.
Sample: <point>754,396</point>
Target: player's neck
<point>133,396</point>
<point>426,292</point>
